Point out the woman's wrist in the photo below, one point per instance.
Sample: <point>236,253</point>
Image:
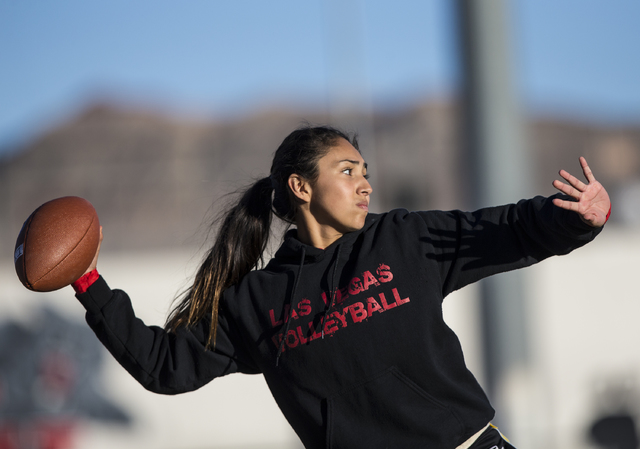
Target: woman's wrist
<point>85,281</point>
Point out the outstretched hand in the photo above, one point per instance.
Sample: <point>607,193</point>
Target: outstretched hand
<point>592,201</point>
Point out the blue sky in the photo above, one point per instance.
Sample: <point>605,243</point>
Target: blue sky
<point>225,57</point>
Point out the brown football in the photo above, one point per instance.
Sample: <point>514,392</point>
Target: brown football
<point>57,244</point>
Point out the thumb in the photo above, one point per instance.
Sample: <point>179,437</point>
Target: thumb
<point>94,262</point>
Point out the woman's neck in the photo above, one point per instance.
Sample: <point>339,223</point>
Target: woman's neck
<point>316,235</point>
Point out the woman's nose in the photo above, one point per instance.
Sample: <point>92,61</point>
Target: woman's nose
<point>366,187</point>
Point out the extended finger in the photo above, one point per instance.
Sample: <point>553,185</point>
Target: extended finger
<point>575,182</point>
<point>568,205</point>
<point>586,170</point>
<point>567,189</point>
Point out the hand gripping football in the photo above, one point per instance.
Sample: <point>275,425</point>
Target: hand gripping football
<point>57,244</point>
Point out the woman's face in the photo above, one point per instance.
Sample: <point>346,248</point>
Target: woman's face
<point>340,196</point>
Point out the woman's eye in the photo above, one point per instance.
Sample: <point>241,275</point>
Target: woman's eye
<point>347,171</point>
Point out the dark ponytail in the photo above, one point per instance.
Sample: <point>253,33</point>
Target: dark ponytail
<point>244,230</point>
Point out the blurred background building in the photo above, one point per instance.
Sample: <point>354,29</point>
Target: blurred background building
<point>155,113</point>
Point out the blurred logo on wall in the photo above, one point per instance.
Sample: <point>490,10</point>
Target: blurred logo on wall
<point>50,382</point>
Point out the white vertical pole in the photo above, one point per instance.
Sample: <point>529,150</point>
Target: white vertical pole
<point>349,100</point>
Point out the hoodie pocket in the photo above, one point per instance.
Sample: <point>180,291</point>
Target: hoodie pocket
<point>390,410</point>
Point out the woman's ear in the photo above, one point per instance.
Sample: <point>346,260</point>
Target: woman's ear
<point>300,187</point>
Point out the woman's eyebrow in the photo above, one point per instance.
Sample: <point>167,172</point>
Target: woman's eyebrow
<point>353,162</point>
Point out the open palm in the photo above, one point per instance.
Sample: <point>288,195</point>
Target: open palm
<point>592,201</point>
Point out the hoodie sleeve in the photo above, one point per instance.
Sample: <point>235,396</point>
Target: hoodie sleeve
<point>163,362</point>
<point>469,246</point>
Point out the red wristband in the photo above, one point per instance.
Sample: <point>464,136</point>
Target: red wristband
<point>608,214</point>
<point>83,284</point>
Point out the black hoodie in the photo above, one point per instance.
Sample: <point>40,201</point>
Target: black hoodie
<point>367,360</point>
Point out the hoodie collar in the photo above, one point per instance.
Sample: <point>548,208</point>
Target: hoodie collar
<point>289,252</point>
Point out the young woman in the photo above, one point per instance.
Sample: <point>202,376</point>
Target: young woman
<point>345,322</point>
